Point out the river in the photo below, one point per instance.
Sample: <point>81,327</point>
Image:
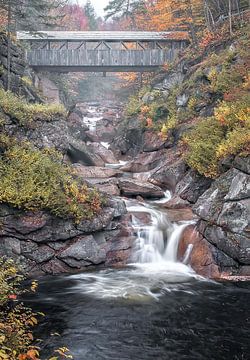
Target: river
<point>155,308</point>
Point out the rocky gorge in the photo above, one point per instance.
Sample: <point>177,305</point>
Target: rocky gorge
<point>123,158</point>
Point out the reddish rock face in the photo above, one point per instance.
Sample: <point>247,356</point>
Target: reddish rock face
<point>202,257</point>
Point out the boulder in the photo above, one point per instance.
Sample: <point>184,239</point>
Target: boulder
<point>204,258</point>
<point>211,205</point>
<point>153,141</point>
<point>108,186</point>
<point>176,203</point>
<point>94,172</point>
<point>182,100</point>
<point>132,187</point>
<point>77,127</point>
<point>145,162</point>
<point>236,246</point>
<point>235,216</point>
<point>242,164</point>
<point>79,152</point>
<point>192,186</point>
<point>105,154</point>
<point>169,175</point>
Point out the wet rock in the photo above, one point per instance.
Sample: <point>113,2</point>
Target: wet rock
<point>169,176</point>
<point>38,254</point>
<point>108,186</point>
<point>182,100</point>
<point>129,138</point>
<point>234,245</point>
<point>79,152</point>
<point>176,203</point>
<point>183,214</point>
<point>235,216</point>
<point>119,207</point>
<point>210,204</point>
<point>131,187</point>
<point>192,186</point>
<point>205,259</point>
<point>106,133</point>
<point>145,162</point>
<point>10,246</point>
<point>105,154</point>
<point>242,163</point>
<point>240,187</point>
<point>153,141</point>
<point>84,249</point>
<point>88,172</point>
<point>55,267</point>
<point>77,128</point>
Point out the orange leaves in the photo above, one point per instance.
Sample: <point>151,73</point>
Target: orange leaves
<point>32,354</point>
<point>12,296</point>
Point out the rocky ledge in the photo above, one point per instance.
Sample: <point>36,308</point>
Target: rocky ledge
<point>45,244</point>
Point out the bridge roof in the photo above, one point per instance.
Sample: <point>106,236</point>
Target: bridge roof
<point>103,36</point>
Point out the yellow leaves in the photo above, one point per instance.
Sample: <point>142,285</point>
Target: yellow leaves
<point>63,351</point>
<point>3,355</point>
<point>35,179</point>
<point>34,285</point>
<point>25,113</point>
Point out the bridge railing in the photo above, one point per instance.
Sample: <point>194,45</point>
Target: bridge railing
<point>99,58</point>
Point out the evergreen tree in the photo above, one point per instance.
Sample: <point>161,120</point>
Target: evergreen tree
<point>123,8</point>
<point>91,15</point>
<point>30,14</point>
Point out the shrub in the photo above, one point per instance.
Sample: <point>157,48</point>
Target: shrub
<point>16,321</point>
<point>202,144</point>
<point>227,133</point>
<point>34,179</point>
<point>17,108</point>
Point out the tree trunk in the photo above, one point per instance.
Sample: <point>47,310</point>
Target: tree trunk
<point>8,46</point>
<point>230,17</point>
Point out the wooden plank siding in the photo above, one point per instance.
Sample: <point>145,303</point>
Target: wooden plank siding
<point>110,60</point>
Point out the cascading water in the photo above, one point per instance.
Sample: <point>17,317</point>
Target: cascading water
<point>157,241</point>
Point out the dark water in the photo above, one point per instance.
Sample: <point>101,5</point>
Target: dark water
<point>178,319</point>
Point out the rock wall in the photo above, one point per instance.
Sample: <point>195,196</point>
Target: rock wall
<point>19,73</point>
<point>44,244</point>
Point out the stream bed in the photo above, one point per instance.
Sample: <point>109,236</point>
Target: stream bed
<point>155,308</point>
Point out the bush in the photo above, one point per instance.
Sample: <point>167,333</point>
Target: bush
<point>18,108</point>
<point>202,144</point>
<point>33,179</point>
<point>227,133</point>
<point>16,321</point>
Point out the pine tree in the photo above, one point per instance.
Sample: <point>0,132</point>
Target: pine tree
<point>26,15</point>
<point>91,15</point>
<point>124,9</point>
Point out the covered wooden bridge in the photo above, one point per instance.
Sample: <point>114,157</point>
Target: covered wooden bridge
<point>100,51</point>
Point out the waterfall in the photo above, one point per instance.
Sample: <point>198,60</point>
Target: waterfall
<point>157,241</point>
